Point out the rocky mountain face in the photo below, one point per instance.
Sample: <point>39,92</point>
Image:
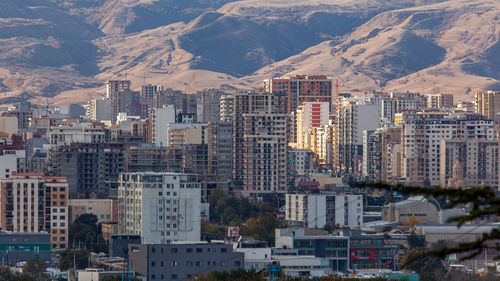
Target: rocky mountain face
<point>66,49</point>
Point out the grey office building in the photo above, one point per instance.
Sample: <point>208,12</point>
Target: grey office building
<point>182,261</point>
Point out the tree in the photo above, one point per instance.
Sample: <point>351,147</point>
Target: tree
<point>5,273</point>
<point>262,227</point>
<point>67,258</point>
<point>483,201</point>
<point>85,229</point>
<point>412,221</point>
<point>36,268</point>
<point>415,241</point>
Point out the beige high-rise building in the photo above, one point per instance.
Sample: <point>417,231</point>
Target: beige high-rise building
<point>260,143</point>
<point>488,104</point>
<point>477,159</point>
<point>310,115</point>
<point>33,203</point>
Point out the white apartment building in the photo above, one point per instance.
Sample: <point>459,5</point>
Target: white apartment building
<point>421,142</point>
<point>11,161</point>
<point>161,207</point>
<point>77,133</point>
<point>317,210</point>
<point>161,118</point>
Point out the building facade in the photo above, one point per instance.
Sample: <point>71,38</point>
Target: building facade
<point>182,261</point>
<point>34,203</point>
<point>161,207</point>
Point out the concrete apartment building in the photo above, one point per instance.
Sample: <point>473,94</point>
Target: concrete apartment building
<point>300,162</point>
<point>310,115</point>
<point>323,139</point>
<point>106,210</point>
<point>120,96</point>
<point>11,161</point>
<point>259,143</point>
<point>159,119</point>
<point>488,104</point>
<point>382,154</point>
<point>78,133</point>
<point>440,100</point>
<point>209,105</point>
<point>226,108</point>
<point>397,102</point>
<point>352,119</point>
<point>89,167</point>
<point>182,261</point>
<point>475,162</point>
<point>317,210</point>
<point>34,203</point>
<point>421,141</point>
<point>161,207</point>
<point>302,88</point>
<point>98,110</point>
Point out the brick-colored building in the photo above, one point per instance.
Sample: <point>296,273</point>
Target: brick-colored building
<point>34,203</point>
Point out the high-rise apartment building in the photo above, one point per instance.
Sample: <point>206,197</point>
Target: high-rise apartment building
<point>421,143</point>
<point>440,100</point>
<point>209,105</point>
<point>322,142</point>
<point>226,108</point>
<point>160,207</point>
<point>397,102</point>
<point>310,115</point>
<point>382,154</point>
<point>115,86</point>
<point>98,110</point>
<point>302,88</point>
<point>352,119</point>
<point>476,160</point>
<point>260,143</point>
<point>89,167</point>
<point>488,104</point>
<point>34,203</point>
<point>160,119</point>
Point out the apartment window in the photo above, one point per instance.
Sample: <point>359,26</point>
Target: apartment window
<point>174,276</point>
<point>153,263</point>
<point>173,250</point>
<point>173,263</point>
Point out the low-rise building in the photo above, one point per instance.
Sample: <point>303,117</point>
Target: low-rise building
<point>17,247</point>
<point>426,210</point>
<point>317,243</point>
<point>106,210</point>
<point>181,261</point>
<point>317,210</point>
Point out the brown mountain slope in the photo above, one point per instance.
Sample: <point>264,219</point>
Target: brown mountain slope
<point>446,47</point>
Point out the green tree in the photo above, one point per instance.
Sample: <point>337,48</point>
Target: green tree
<point>85,229</point>
<point>68,256</point>
<point>262,227</point>
<point>36,268</point>
<point>5,273</point>
<point>415,240</point>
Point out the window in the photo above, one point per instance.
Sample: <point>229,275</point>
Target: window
<point>173,250</point>
<point>173,263</point>
<point>174,276</point>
